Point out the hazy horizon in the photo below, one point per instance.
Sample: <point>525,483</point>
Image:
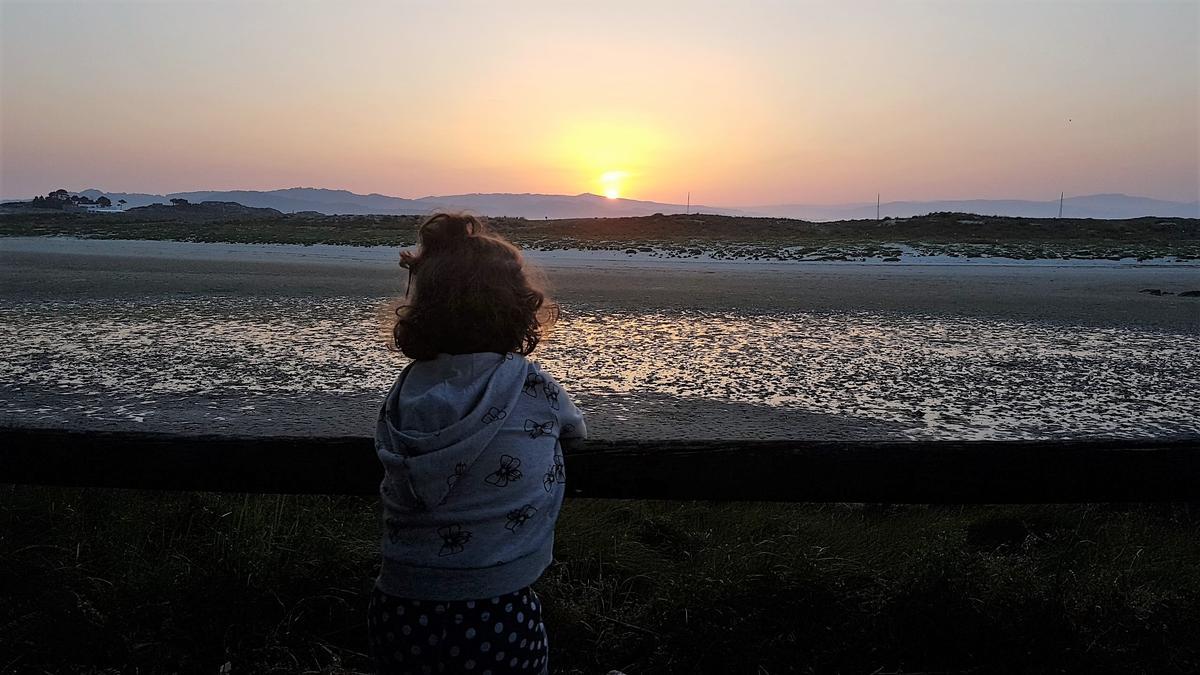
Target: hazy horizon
<point>761,105</point>
<point>857,202</point>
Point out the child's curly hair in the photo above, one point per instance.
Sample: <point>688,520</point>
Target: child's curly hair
<point>470,292</point>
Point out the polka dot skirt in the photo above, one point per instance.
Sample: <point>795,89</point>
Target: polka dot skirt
<point>493,636</point>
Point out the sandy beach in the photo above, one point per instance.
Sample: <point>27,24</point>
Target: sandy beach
<point>1098,293</point>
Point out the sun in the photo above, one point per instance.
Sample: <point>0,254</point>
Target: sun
<point>611,180</point>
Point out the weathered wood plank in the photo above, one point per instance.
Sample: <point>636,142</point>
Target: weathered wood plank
<point>800,471</point>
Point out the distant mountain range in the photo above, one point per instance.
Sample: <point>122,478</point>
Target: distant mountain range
<point>1106,206</point>
<point>537,206</point>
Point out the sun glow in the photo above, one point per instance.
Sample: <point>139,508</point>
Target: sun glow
<point>609,157</point>
<point>611,180</point>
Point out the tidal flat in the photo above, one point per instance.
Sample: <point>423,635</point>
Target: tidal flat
<point>293,340</point>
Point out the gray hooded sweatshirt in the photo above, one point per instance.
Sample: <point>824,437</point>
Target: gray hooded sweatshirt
<point>473,475</point>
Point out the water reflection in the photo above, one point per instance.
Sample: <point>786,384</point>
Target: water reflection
<point>946,377</point>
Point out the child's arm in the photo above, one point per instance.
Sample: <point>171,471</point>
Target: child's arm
<point>572,429</point>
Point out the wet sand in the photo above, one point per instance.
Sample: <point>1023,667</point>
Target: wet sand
<point>1080,295</point>
<point>1101,295</point>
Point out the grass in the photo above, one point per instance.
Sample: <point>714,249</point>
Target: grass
<point>117,581</point>
<point>956,234</point>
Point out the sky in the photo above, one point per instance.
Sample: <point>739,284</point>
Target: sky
<point>739,103</point>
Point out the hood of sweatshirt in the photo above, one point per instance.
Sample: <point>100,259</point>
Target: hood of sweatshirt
<point>439,416</point>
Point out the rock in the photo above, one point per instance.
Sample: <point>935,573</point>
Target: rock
<point>891,260</point>
<point>1190,294</point>
<point>1151,291</point>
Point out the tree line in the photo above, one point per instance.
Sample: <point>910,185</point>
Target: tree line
<point>58,199</point>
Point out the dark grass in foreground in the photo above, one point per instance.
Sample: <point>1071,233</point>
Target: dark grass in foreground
<point>161,582</point>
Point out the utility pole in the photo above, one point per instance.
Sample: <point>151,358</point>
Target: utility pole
<point>876,207</point>
<point>1060,201</point>
<point>689,204</point>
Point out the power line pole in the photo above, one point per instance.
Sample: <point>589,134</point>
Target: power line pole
<point>876,207</point>
<point>689,204</point>
<point>1060,202</point>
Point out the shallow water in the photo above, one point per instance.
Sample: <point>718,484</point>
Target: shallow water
<point>929,377</point>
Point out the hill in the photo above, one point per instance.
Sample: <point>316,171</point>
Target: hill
<point>1107,206</point>
<point>954,234</point>
<point>343,202</point>
<point>204,212</point>
<point>586,205</point>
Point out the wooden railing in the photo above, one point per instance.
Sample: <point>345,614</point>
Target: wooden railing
<point>918,472</point>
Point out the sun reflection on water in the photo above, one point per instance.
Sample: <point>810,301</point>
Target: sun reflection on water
<point>936,376</point>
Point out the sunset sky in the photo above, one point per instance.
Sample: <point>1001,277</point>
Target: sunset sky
<point>740,103</point>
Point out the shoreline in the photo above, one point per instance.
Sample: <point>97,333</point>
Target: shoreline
<point>55,269</point>
<point>644,257</point>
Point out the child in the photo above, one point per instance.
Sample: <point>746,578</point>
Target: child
<point>469,438</point>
